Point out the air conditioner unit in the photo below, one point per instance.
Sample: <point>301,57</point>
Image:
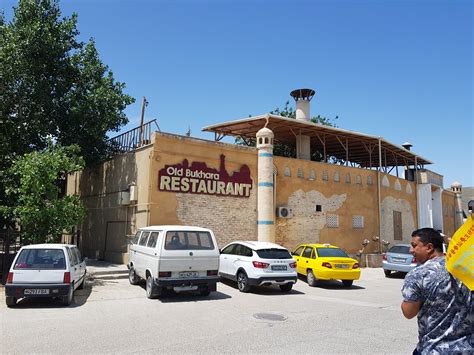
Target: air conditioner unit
<point>284,212</point>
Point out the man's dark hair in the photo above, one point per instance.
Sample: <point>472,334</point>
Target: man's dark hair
<point>429,235</point>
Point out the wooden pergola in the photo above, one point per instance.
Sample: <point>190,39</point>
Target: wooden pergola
<point>353,148</point>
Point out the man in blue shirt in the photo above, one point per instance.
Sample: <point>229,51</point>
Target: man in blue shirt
<point>443,304</point>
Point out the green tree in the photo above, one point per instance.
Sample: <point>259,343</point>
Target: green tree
<point>284,150</point>
<point>52,85</point>
<point>33,183</point>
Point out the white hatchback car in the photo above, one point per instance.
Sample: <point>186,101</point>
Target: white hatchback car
<point>253,263</point>
<point>45,270</point>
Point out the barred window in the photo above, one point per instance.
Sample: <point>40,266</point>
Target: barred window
<point>358,180</point>
<point>312,174</point>
<point>287,171</point>
<point>332,220</point>
<point>348,178</point>
<point>336,176</point>
<point>369,180</point>
<point>357,222</point>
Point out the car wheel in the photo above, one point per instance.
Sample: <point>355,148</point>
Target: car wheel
<point>347,283</point>
<point>286,287</point>
<point>151,290</point>
<point>132,277</point>
<point>387,272</point>
<point>66,300</point>
<point>311,279</point>
<point>204,291</point>
<point>243,282</point>
<point>10,301</point>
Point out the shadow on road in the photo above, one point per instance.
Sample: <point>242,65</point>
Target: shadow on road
<point>80,297</point>
<point>397,275</point>
<point>169,296</point>
<point>332,284</point>
<point>262,290</point>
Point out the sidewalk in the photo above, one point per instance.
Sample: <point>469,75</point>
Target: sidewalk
<point>106,270</point>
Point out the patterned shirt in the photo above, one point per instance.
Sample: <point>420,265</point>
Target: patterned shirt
<point>445,319</point>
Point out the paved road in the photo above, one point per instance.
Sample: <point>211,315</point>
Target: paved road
<point>111,316</point>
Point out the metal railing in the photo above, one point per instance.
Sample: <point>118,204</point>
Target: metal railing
<point>135,138</point>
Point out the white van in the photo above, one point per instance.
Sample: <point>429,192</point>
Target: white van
<point>180,258</point>
<point>45,270</point>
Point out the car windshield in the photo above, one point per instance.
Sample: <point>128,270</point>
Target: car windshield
<point>41,259</point>
<point>400,249</point>
<point>329,252</point>
<point>273,254</point>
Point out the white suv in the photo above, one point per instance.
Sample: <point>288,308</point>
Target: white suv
<point>45,270</point>
<point>254,263</point>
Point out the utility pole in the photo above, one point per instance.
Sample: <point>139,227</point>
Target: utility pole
<point>144,103</point>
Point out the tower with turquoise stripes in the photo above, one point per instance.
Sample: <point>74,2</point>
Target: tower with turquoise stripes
<point>265,208</point>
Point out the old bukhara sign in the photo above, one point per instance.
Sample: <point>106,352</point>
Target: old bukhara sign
<point>197,178</point>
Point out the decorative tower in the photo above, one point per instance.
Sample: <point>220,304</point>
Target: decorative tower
<point>302,98</point>
<point>265,210</point>
<point>456,187</point>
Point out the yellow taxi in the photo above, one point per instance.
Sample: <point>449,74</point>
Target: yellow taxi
<point>325,262</point>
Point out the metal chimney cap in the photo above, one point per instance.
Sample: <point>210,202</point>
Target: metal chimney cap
<point>303,94</point>
<point>407,145</point>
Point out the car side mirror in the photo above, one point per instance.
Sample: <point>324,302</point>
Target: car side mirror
<point>85,259</point>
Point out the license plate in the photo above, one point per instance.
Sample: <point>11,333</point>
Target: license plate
<point>398,260</point>
<point>36,291</point>
<point>188,274</point>
<point>342,266</point>
<point>279,267</point>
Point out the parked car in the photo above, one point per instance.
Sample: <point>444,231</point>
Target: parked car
<point>181,258</point>
<point>325,262</point>
<point>398,258</point>
<point>252,263</point>
<point>45,270</point>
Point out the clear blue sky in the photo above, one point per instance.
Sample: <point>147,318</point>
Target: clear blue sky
<point>400,69</point>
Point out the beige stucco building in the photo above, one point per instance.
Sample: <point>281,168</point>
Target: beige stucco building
<point>164,178</point>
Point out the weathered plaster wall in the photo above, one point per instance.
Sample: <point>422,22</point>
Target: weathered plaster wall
<point>231,218</point>
<point>107,224</point>
<point>397,195</point>
<point>343,193</point>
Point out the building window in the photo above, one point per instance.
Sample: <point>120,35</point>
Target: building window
<point>385,182</point>
<point>369,180</point>
<point>300,173</point>
<point>357,222</point>
<point>408,189</point>
<point>332,220</point>
<point>260,140</point>
<point>312,174</point>
<point>358,180</point>
<point>319,208</point>
<point>336,176</point>
<point>287,171</point>
<point>348,178</point>
<point>266,140</point>
<point>325,175</point>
